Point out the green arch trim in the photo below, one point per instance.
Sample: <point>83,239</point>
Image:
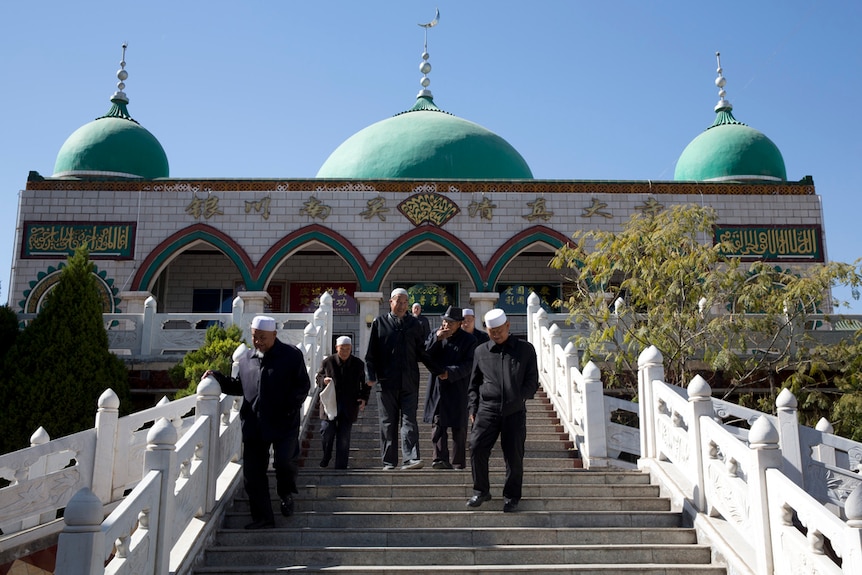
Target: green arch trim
<point>174,245</point>
<point>400,246</point>
<point>506,252</point>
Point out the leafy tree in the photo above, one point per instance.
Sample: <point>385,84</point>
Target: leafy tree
<point>8,329</point>
<point>60,363</point>
<point>216,353</point>
<point>705,311</point>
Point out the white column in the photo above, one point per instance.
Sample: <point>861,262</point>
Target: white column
<point>369,308</point>
<point>483,302</point>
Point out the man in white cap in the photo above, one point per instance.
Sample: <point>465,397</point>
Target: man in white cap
<point>274,384</point>
<point>505,375</point>
<point>395,345</point>
<point>347,373</point>
<point>469,326</point>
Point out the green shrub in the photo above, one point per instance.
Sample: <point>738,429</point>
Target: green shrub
<point>216,354</point>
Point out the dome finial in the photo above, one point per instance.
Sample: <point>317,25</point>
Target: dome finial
<point>122,75</point>
<point>720,82</point>
<point>425,66</point>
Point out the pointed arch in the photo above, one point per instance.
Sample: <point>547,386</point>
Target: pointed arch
<point>403,244</point>
<point>517,244</point>
<point>174,244</point>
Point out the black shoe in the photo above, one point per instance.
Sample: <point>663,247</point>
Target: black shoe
<point>441,464</point>
<point>510,506</point>
<point>263,524</point>
<point>478,500</point>
<point>287,507</point>
<point>324,462</point>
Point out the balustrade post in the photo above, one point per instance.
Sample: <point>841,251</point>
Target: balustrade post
<point>788,433</point>
<point>650,368</point>
<point>534,304</point>
<point>700,405</point>
<point>555,338</point>
<point>326,307</point>
<point>571,364</point>
<point>237,310</point>
<point>595,420</point>
<point>853,544</point>
<point>107,427</point>
<point>541,345</point>
<point>81,545</point>
<point>150,326</point>
<point>825,453</point>
<point>323,341</point>
<point>161,456</point>
<point>369,308</point>
<point>208,393</point>
<point>38,469</point>
<point>763,443</point>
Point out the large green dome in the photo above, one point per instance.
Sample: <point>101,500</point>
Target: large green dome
<point>729,150</point>
<point>113,146</point>
<point>425,142</point>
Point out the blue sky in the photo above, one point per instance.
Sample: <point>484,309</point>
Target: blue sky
<point>584,90</point>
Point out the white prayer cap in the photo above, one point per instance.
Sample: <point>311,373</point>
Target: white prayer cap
<point>397,292</point>
<point>495,318</point>
<point>263,323</point>
<point>343,340</point>
<point>467,311</point>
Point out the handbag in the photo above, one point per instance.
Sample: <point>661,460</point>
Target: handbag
<point>327,399</point>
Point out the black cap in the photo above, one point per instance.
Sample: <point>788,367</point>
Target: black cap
<point>453,314</point>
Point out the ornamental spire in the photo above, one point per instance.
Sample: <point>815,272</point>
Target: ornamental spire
<point>119,100</point>
<point>720,82</point>
<point>425,66</point>
<point>122,75</point>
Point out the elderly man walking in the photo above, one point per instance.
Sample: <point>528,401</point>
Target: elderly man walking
<point>505,375</point>
<point>274,383</point>
<point>395,345</point>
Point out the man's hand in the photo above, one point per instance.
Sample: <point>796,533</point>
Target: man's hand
<point>444,375</point>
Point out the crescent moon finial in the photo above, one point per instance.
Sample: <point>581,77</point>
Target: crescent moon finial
<point>720,82</point>
<point>122,75</point>
<point>433,22</point>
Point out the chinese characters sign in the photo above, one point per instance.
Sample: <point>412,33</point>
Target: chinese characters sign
<point>799,243</point>
<point>305,297</point>
<point>434,298</point>
<point>513,297</point>
<point>57,239</point>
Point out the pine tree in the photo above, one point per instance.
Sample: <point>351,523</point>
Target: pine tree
<point>60,363</point>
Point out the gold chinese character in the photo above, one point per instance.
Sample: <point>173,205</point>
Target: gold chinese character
<point>651,207</point>
<point>485,209</point>
<point>314,208</point>
<point>539,211</point>
<point>259,206</point>
<point>595,209</point>
<point>206,208</point>
<point>376,207</point>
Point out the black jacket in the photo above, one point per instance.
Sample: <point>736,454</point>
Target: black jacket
<point>448,397</point>
<point>348,377</point>
<point>504,376</point>
<point>394,348</point>
<point>271,412</point>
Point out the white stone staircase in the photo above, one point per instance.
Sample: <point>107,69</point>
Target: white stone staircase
<point>366,520</point>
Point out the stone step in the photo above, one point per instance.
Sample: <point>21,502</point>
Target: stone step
<point>489,515</point>
<point>460,555</point>
<point>463,489</point>
<point>447,536</point>
<point>574,477</point>
<point>630,569</point>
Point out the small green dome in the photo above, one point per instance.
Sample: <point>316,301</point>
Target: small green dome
<point>729,150</point>
<point>113,146</point>
<point>425,142</point>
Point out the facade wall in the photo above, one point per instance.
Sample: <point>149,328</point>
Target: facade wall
<point>226,233</point>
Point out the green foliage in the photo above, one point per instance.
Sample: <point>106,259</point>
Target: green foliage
<point>215,354</point>
<point>60,363</point>
<point>703,310</point>
<point>8,330</point>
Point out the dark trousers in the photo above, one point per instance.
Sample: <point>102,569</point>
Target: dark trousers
<point>440,440</point>
<point>398,406</point>
<point>255,464</point>
<point>336,432</point>
<point>512,430</point>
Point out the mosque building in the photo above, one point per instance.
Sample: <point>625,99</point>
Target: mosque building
<point>424,200</point>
